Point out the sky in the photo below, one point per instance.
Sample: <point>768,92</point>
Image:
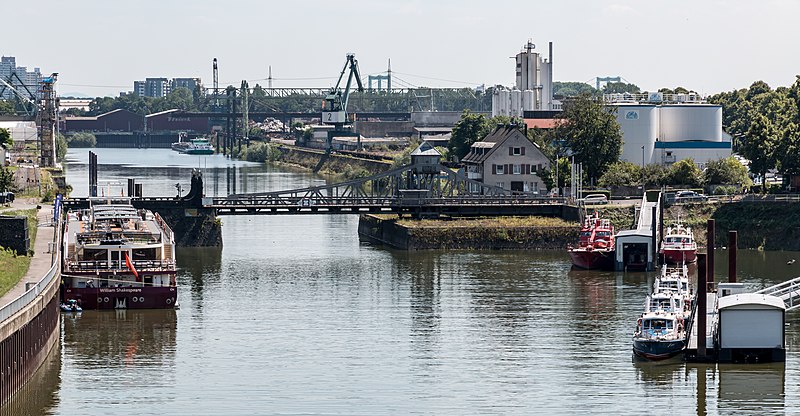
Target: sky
<point>99,47</point>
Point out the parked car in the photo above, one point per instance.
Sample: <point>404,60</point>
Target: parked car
<point>689,196</point>
<point>595,199</point>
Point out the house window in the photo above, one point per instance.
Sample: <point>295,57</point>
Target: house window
<point>516,151</point>
<point>500,184</point>
<point>517,169</point>
<point>499,169</point>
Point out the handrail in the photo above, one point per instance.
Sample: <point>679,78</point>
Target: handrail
<point>16,305</point>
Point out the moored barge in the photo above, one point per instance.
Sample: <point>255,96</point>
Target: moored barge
<point>118,257</point>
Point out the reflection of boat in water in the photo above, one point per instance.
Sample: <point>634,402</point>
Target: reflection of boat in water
<point>678,245</point>
<point>118,257</point>
<point>193,146</point>
<point>115,338</point>
<point>595,249</point>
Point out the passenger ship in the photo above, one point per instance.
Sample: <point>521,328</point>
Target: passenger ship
<point>118,257</point>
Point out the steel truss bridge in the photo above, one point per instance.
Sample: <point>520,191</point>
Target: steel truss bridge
<point>416,189</point>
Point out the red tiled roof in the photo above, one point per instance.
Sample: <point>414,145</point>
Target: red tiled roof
<point>542,123</point>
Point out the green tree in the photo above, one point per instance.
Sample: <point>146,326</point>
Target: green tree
<point>61,147</point>
<point>82,140</point>
<point>727,171</point>
<point>759,146</point>
<point>469,129</point>
<point>684,172</point>
<point>592,133</point>
<point>621,174</point>
<point>572,89</point>
<point>6,142</point>
<point>6,179</point>
<point>620,87</point>
<point>6,108</point>
<point>654,175</point>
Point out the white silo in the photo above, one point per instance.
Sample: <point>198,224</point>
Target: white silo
<point>639,127</point>
<point>687,122</point>
<point>516,103</point>
<point>504,102</point>
<point>495,103</point>
<point>528,100</point>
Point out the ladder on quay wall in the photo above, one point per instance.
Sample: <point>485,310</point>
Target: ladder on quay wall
<point>788,291</point>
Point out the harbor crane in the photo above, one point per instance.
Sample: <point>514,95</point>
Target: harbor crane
<point>334,108</point>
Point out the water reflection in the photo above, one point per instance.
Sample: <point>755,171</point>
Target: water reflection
<point>757,388</point>
<point>40,394</point>
<point>121,338</point>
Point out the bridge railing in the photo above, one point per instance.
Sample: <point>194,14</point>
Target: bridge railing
<point>302,202</point>
<point>30,295</point>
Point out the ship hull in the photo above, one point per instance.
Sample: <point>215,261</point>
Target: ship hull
<point>148,297</point>
<point>674,256</point>
<point>592,260</point>
<point>199,152</point>
<point>657,350</point>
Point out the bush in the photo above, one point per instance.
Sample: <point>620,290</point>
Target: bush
<point>725,190</point>
<point>82,140</point>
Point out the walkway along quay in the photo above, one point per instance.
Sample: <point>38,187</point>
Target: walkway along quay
<point>29,313</point>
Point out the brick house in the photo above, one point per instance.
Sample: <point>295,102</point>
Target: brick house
<point>507,159</point>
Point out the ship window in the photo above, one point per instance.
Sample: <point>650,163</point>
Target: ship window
<point>586,233</point>
<point>144,254</point>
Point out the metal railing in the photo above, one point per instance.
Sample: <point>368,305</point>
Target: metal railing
<point>31,294</point>
<point>788,291</point>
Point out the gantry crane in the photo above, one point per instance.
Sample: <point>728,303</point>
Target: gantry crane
<point>334,108</point>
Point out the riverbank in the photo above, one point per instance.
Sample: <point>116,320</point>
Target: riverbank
<point>760,226</point>
<point>335,165</point>
<point>501,233</point>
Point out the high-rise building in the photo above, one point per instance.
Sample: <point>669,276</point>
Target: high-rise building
<point>189,83</point>
<point>27,79</point>
<point>161,87</point>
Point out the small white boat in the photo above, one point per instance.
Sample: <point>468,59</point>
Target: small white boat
<point>71,305</point>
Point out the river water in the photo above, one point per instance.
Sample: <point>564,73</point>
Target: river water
<point>295,316</point>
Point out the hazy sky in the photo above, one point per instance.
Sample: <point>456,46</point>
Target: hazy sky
<point>99,47</point>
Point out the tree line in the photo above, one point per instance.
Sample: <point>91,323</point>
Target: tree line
<point>765,125</point>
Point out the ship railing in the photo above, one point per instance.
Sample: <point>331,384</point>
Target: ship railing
<point>134,237</point>
<point>16,305</point>
<point>788,291</point>
<point>117,265</point>
<point>164,226</point>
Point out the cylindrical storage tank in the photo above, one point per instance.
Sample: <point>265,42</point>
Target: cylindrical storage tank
<point>528,100</point>
<point>691,123</point>
<point>639,127</point>
<point>516,103</point>
<point>546,100</point>
<point>495,103</point>
<point>504,100</point>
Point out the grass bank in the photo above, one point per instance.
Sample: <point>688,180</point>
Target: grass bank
<point>13,266</point>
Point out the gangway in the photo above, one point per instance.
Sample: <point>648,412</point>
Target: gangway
<point>637,249</point>
<point>788,291</point>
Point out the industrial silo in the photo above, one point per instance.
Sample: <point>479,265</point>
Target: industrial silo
<point>516,103</point>
<point>528,100</point>
<point>701,122</point>
<point>639,127</point>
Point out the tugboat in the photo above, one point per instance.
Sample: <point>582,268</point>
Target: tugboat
<point>595,248</point>
<point>678,246</point>
<point>118,257</point>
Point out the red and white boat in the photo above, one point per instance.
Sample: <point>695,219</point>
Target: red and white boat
<point>118,257</point>
<point>595,249</point>
<point>678,245</point>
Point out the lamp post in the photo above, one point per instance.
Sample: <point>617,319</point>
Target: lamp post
<point>642,155</point>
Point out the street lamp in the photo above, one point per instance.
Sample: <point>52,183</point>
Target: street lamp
<point>642,155</point>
